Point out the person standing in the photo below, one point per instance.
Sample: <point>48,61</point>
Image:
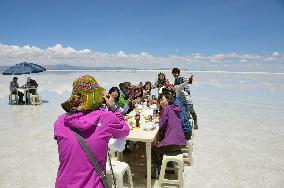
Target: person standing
<point>96,126</point>
<point>186,92</point>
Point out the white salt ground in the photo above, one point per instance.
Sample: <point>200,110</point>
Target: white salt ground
<point>240,141</point>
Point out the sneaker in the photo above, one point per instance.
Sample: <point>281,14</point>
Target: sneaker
<point>155,173</point>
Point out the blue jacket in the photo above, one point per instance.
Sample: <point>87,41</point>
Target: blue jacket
<point>183,115</point>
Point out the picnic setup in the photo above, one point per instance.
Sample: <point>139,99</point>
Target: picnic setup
<point>143,132</point>
<point>131,135</point>
<point>27,93</point>
<point>146,134</point>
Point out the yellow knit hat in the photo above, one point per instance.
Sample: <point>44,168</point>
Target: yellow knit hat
<point>90,92</point>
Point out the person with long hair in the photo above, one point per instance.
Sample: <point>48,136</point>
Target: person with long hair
<point>161,81</point>
<point>178,93</point>
<point>171,136</point>
<point>147,89</point>
<point>112,101</point>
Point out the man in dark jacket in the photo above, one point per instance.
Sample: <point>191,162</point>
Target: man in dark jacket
<point>31,84</point>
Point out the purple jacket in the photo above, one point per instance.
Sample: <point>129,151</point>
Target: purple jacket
<point>171,132</point>
<point>97,127</point>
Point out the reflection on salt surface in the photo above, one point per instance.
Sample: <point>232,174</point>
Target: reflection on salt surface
<point>239,142</point>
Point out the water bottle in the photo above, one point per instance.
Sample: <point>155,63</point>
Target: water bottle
<point>137,118</point>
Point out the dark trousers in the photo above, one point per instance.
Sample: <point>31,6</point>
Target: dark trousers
<point>157,156</point>
<point>32,91</point>
<point>187,135</point>
<point>193,114</point>
<point>194,117</point>
<point>20,94</point>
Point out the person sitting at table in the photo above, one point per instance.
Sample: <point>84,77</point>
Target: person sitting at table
<point>112,101</point>
<point>171,136</point>
<point>161,81</point>
<point>31,84</point>
<point>127,90</point>
<point>176,92</point>
<point>147,89</point>
<point>138,96</point>
<point>14,89</point>
<point>96,127</point>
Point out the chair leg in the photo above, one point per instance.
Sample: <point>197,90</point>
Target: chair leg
<point>180,174</point>
<point>130,177</point>
<point>10,99</point>
<point>119,180</point>
<point>179,160</point>
<point>162,173</point>
<point>39,99</point>
<point>190,148</point>
<point>17,98</point>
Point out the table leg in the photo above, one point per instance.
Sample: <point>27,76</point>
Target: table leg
<point>25,96</point>
<point>148,154</point>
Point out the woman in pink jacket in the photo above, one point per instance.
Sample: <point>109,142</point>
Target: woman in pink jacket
<point>94,125</point>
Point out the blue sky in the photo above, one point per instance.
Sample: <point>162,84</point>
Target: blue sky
<point>161,27</point>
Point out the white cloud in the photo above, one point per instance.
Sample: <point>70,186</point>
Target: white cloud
<point>275,54</point>
<point>58,49</point>
<point>58,54</point>
<point>243,60</point>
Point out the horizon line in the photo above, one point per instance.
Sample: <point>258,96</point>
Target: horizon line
<point>154,70</point>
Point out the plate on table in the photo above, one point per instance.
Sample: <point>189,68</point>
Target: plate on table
<point>148,126</point>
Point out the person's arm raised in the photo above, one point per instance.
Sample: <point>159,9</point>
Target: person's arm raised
<point>118,127</point>
<point>190,79</point>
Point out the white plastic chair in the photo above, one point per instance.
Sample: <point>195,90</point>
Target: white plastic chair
<point>16,99</point>
<point>35,99</point>
<point>119,169</point>
<point>187,150</point>
<point>179,160</point>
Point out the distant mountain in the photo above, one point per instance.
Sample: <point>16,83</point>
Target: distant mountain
<point>66,67</point>
<point>70,67</point>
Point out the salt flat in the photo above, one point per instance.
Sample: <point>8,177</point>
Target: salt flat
<point>240,142</point>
